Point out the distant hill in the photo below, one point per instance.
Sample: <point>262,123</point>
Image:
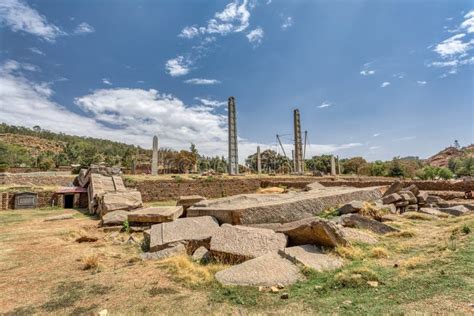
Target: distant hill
<point>442,158</point>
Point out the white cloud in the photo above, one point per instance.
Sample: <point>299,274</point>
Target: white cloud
<point>189,32</point>
<point>404,138</point>
<point>453,46</point>
<point>255,36</point>
<point>325,104</point>
<point>385,84</point>
<point>374,147</point>
<point>367,72</point>
<point>36,51</point>
<point>376,135</point>
<point>421,82</point>
<point>178,66</point>
<point>468,24</point>
<point>288,22</point>
<point>200,81</point>
<point>19,16</point>
<point>106,81</point>
<point>84,28</point>
<point>210,102</point>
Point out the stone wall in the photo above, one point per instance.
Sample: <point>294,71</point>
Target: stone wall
<point>45,199</point>
<point>37,179</point>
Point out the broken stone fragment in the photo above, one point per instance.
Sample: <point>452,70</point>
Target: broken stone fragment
<point>312,257</point>
<point>391,198</point>
<point>434,200</point>
<point>155,215</point>
<point>394,188</point>
<point>402,204</point>
<point>179,249</point>
<point>358,236</point>
<point>361,222</point>
<point>351,207</point>
<point>413,189</point>
<point>422,198</point>
<point>313,230</point>
<point>235,244</point>
<point>433,211</point>
<point>186,201</point>
<point>202,255</point>
<point>267,270</point>
<point>411,208</point>
<point>193,232</point>
<point>408,196</point>
<point>455,210</point>
<point>127,200</point>
<point>114,218</point>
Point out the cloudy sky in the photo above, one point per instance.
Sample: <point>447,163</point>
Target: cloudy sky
<point>372,78</point>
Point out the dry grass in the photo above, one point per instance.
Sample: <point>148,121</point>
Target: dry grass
<point>349,252</point>
<point>370,210</point>
<point>413,262</point>
<point>355,278</point>
<point>378,252</point>
<point>91,262</point>
<point>419,216</point>
<point>188,272</point>
<point>401,234</point>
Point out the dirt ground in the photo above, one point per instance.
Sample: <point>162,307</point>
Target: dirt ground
<point>43,271</point>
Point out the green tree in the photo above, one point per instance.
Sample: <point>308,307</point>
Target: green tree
<point>353,165</point>
<point>378,169</point>
<point>445,173</point>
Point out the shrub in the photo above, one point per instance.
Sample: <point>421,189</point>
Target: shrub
<point>445,173</point>
<point>378,252</point>
<point>90,262</point>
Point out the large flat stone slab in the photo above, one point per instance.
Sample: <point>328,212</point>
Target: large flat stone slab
<point>313,230</point>
<point>362,222</point>
<point>235,244</point>
<point>354,235</point>
<point>313,257</point>
<point>113,201</point>
<point>268,270</point>
<point>155,215</point>
<point>457,210</point>
<point>114,218</point>
<point>183,230</point>
<point>247,209</point>
<point>179,249</point>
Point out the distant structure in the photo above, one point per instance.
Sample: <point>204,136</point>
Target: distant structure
<point>298,159</point>
<point>154,160</point>
<point>333,166</point>
<point>259,161</point>
<point>338,165</point>
<point>232,127</point>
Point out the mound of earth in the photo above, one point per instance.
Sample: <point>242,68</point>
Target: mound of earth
<point>442,158</point>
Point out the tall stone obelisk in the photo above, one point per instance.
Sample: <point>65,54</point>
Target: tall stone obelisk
<point>233,158</point>
<point>333,166</point>
<point>154,160</point>
<point>259,161</point>
<point>298,143</point>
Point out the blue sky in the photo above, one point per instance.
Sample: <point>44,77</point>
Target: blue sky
<point>372,78</point>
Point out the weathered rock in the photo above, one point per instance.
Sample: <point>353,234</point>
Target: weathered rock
<point>202,255</point>
<point>379,206</point>
<point>155,215</point>
<point>351,207</point>
<point>312,257</point>
<point>268,270</point>
<point>391,198</point>
<point>413,189</point>
<point>422,198</point>
<point>408,196</point>
<point>394,188</point>
<point>59,218</point>
<point>314,186</point>
<point>86,238</point>
<point>183,230</point>
<point>112,201</point>
<point>186,201</point>
<point>179,249</point>
<point>402,204</point>
<point>411,208</point>
<point>114,218</point>
<point>313,230</point>
<point>455,210</point>
<point>359,221</point>
<point>445,204</point>
<point>358,236</point>
<point>434,200</point>
<point>235,244</point>
<point>433,211</point>
<point>248,209</point>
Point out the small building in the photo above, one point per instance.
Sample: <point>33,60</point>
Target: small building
<point>25,200</point>
<point>72,197</point>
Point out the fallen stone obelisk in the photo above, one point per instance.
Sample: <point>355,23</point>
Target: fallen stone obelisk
<point>248,209</point>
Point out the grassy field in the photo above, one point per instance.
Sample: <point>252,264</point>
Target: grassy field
<point>428,268</point>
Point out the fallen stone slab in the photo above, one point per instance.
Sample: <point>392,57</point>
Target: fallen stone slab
<point>114,218</point>
<point>446,204</point>
<point>433,211</point>
<point>314,186</point>
<point>186,201</point>
<point>313,230</point>
<point>413,189</point>
<point>411,208</point>
<point>235,244</point>
<point>455,210</point>
<point>362,222</point>
<point>248,209</point>
<point>202,255</point>
<point>179,249</point>
<point>354,235</point>
<point>391,198</point>
<point>351,207</point>
<point>408,196</point>
<point>194,232</point>
<point>113,201</point>
<point>268,270</point>
<point>59,218</point>
<point>312,257</point>
<point>434,200</point>
<point>155,215</point>
<point>394,188</point>
<point>422,198</point>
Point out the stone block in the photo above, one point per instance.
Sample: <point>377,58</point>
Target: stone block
<point>155,215</point>
<point>176,250</point>
<point>351,207</point>
<point>312,257</point>
<point>391,198</point>
<point>114,218</point>
<point>361,222</point>
<point>455,210</point>
<point>394,188</point>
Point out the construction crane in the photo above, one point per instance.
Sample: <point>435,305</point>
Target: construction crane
<point>281,145</point>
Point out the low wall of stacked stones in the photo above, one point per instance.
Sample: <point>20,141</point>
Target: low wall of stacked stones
<point>44,199</point>
<point>36,179</point>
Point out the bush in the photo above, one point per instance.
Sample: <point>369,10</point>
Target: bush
<point>445,173</point>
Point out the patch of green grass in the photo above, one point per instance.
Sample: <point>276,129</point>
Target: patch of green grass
<point>23,311</point>
<point>64,296</point>
<point>155,291</point>
<point>238,295</point>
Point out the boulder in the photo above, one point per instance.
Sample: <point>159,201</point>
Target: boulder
<point>422,198</point>
<point>394,188</point>
<point>411,208</point>
<point>413,189</point>
<point>179,249</point>
<point>155,215</point>
<point>113,201</point>
<point>408,196</point>
<point>402,204</point>
<point>354,235</point>
<point>202,255</point>
<point>351,207</point>
<point>268,270</point>
<point>433,211</point>
<point>313,230</point>
<point>186,201</point>
<point>391,198</point>
<point>193,232</point>
<point>114,218</point>
<point>455,210</point>
<point>235,244</point>
<point>312,257</point>
<point>361,222</point>
<point>314,186</point>
<point>434,200</point>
